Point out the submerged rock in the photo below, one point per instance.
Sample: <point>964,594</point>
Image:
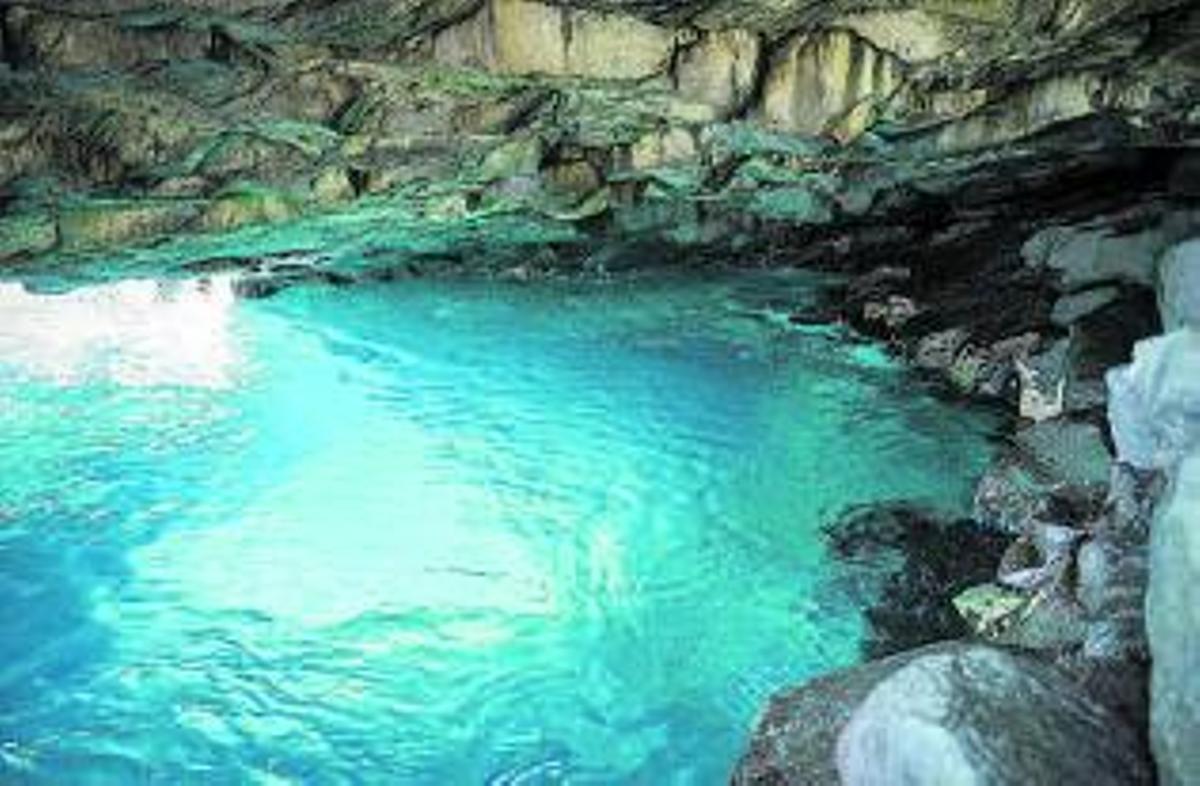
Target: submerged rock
<point>976,715</point>
<point>925,561</point>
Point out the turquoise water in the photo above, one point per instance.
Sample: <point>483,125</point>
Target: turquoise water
<point>430,533</point>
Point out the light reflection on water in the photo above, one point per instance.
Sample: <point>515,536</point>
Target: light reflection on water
<point>429,533</point>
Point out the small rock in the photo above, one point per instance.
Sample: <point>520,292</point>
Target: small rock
<point>989,607</point>
<point>936,352</point>
<point>1070,308</point>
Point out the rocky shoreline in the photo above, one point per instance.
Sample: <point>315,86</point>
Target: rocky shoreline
<point>1009,187</point>
<point>1074,502</point>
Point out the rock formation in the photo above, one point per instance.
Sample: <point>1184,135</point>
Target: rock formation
<point>1012,188</point>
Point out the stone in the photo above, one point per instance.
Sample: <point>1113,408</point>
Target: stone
<point>987,607</point>
<point>1043,380</point>
<point>1028,485</point>
<point>1101,251</point>
<point>519,157</point>
<point>1040,557</point>
<point>894,313</point>
<point>670,147</point>
<point>1070,308</point>
<point>816,79</point>
<point>240,206</point>
<point>794,741</point>
<point>1179,286</point>
<point>719,68</point>
<point>983,716</point>
<point>905,565</point>
<point>1067,453</point>
<point>915,35</point>
<point>1173,622</point>
<point>1154,402</point>
<point>937,351</point>
<point>100,223</point>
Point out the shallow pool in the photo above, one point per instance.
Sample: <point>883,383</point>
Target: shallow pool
<point>431,533</point>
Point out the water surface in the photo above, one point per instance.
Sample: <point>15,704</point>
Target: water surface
<point>430,533</point>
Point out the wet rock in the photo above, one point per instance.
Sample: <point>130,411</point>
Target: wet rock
<point>988,608</point>
<point>793,743</point>
<point>1040,558</point>
<point>1019,490</point>
<point>936,352</point>
<point>924,560</point>
<point>981,715</point>
<point>893,313</point>
<point>1067,453</point>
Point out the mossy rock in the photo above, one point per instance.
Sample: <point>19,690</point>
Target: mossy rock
<point>987,608</point>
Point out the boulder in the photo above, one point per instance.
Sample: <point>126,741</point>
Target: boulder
<point>1021,722</point>
<point>1038,479</point>
<point>1173,617</point>
<point>977,715</point>
<point>1179,286</point>
<point>1154,402</point>
<point>794,740</point>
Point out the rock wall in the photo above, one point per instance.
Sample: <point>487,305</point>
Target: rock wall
<point>1155,410</point>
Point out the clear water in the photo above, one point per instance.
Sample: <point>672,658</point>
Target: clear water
<point>430,533</point>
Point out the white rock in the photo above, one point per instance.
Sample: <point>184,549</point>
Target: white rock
<point>1154,402</point>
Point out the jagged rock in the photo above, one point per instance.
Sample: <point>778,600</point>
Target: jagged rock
<point>981,715</point>
<point>1034,481</point>
<point>1072,454</point>
<point>720,68</point>
<point>26,234</point>
<point>937,351</point>
<point>1154,403</point>
<point>237,207</point>
<point>817,79</point>
<point>530,37</point>
<point>1040,557</point>
<point>672,146</point>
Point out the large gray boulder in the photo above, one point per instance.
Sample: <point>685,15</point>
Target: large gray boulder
<point>999,718</point>
<point>1173,617</point>
<point>977,716</point>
